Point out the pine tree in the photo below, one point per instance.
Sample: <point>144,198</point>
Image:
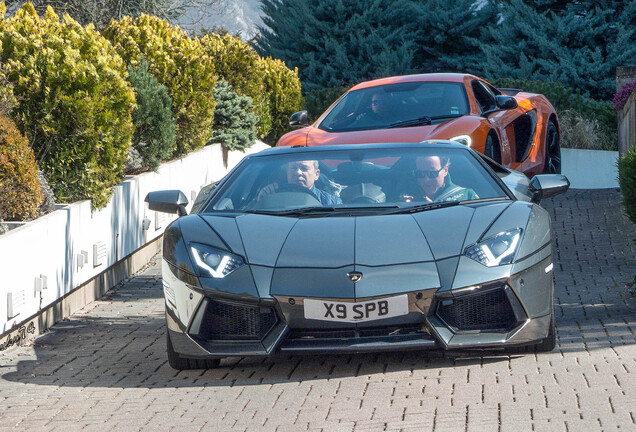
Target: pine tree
<point>579,44</point>
<point>234,124</point>
<point>335,42</point>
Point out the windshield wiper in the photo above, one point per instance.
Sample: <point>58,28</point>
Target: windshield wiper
<point>423,207</point>
<point>323,210</point>
<point>422,121</point>
<point>425,120</point>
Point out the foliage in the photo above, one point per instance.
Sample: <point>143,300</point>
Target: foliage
<point>627,181</point>
<point>21,196</point>
<point>234,123</point>
<point>178,62</point>
<point>237,63</point>
<point>332,42</point>
<point>576,105</point>
<point>317,101</point>
<point>282,88</point>
<point>154,137</point>
<point>74,104</point>
<point>101,12</point>
<point>579,43</point>
<point>8,101</point>
<point>621,96</point>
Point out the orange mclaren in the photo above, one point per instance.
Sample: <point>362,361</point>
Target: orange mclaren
<point>517,129</point>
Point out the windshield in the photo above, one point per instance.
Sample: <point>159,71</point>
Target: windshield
<point>389,105</point>
<point>364,180</point>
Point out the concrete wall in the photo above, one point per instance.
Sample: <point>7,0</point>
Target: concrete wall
<point>42,262</point>
<point>590,169</point>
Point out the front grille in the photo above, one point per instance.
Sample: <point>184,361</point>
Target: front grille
<point>490,310</point>
<point>232,321</point>
<point>357,333</point>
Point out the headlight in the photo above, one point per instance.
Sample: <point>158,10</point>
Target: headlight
<point>463,139</point>
<point>496,250</point>
<point>214,262</point>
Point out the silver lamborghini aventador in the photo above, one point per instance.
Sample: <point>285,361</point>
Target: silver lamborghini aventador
<point>359,248</point>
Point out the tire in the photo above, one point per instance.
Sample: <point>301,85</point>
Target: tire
<point>552,150</point>
<point>492,149</point>
<point>181,363</point>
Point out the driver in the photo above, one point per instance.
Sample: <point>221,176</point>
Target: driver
<point>434,183</point>
<point>305,174</point>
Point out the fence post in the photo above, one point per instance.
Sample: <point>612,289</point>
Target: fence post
<point>627,116</point>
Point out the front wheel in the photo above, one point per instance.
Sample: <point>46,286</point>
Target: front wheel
<point>552,150</point>
<point>181,363</point>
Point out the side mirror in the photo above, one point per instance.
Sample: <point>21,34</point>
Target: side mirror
<point>547,185</point>
<point>167,201</point>
<point>506,102</point>
<point>299,119</point>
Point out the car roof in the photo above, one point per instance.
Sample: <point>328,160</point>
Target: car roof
<point>445,144</point>
<point>449,77</point>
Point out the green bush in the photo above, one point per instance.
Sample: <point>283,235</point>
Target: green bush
<point>317,101</point>
<point>282,88</point>
<point>234,123</point>
<point>237,63</point>
<point>21,195</point>
<point>74,104</point>
<point>178,62</point>
<point>154,137</point>
<point>627,181</point>
<point>566,99</point>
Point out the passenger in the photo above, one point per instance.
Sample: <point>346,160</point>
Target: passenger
<point>434,184</point>
<point>305,174</point>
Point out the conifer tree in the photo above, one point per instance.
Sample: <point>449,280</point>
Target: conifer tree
<point>335,42</point>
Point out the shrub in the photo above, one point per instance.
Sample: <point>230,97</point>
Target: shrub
<point>237,63</point>
<point>73,101</point>
<point>154,137</point>
<point>282,87</point>
<point>21,196</point>
<point>627,181</point>
<point>621,96</point>
<point>234,124</point>
<point>178,62</point>
<point>566,99</point>
<point>8,101</point>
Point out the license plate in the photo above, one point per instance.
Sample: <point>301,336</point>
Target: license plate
<point>356,312</point>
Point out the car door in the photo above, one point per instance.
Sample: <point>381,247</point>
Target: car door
<point>498,119</point>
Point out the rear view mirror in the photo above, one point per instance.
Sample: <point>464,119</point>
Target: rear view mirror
<point>506,102</point>
<point>167,201</point>
<point>547,185</point>
<point>299,119</point>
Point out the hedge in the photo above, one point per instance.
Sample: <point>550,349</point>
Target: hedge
<point>74,104</point>
<point>283,90</point>
<point>178,62</point>
<point>627,181</point>
<point>21,196</point>
<point>240,66</point>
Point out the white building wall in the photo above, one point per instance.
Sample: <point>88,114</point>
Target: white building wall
<point>43,260</point>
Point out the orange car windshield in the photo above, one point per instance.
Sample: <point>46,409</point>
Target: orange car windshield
<point>397,105</point>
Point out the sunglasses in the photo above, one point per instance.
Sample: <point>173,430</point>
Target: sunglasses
<point>377,102</point>
<point>425,173</point>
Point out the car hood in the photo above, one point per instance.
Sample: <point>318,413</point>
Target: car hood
<point>317,136</point>
<point>421,248</point>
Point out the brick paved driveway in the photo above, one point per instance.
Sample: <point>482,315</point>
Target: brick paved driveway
<point>105,369</point>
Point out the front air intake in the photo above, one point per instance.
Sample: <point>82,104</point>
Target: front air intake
<point>234,321</point>
<point>487,310</point>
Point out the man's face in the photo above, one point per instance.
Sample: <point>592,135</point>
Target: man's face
<point>431,175</point>
<point>302,173</point>
<point>378,103</point>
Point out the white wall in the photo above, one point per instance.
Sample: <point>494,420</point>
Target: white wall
<point>52,245</point>
<point>590,169</point>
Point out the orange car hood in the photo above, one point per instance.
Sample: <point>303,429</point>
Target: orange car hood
<point>317,136</point>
